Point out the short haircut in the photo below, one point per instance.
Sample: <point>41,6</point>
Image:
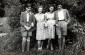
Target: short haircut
<point>51,5</point>
<point>59,5</point>
<point>28,5</point>
<point>40,7</point>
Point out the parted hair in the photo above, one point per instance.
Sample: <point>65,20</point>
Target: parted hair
<point>28,5</point>
<point>40,6</point>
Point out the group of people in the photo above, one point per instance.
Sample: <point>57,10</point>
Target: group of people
<point>46,24</point>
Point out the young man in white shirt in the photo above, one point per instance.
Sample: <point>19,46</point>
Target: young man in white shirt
<point>62,18</point>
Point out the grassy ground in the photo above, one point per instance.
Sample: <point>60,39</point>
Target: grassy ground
<point>45,52</point>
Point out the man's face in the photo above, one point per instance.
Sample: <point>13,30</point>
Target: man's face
<point>28,9</point>
<point>59,6</point>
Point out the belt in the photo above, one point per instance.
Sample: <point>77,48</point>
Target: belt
<point>61,20</point>
<point>27,22</point>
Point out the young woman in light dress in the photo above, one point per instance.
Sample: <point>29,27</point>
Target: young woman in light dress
<point>40,33</point>
<point>49,17</point>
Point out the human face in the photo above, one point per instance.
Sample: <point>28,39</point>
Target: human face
<point>28,9</point>
<point>40,10</point>
<point>51,9</point>
<point>59,6</point>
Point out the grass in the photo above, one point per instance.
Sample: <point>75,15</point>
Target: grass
<point>45,52</point>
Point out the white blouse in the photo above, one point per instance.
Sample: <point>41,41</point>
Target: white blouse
<point>39,17</point>
<point>50,17</point>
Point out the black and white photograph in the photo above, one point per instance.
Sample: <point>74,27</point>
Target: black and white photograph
<point>42,27</point>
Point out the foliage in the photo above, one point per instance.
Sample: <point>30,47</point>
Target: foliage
<point>13,9</point>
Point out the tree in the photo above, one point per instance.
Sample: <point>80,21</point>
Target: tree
<point>13,9</point>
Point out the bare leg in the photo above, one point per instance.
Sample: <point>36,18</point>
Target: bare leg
<point>23,44</point>
<point>39,45</point>
<point>51,45</point>
<point>28,43</point>
<point>63,42</point>
<point>59,41</point>
<point>48,43</point>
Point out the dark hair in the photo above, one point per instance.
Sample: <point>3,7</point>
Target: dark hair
<point>40,6</point>
<point>60,4</point>
<point>28,5</point>
<point>51,6</point>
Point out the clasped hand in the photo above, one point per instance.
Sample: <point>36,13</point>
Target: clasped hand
<point>27,28</point>
<point>57,25</point>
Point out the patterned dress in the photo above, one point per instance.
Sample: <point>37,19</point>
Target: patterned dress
<point>50,23</point>
<point>40,33</point>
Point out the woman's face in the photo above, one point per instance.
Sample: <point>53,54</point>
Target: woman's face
<point>51,9</point>
<point>40,10</point>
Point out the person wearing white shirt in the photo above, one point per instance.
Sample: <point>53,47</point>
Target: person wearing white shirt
<point>27,22</point>
<point>60,15</point>
<point>62,18</point>
<point>28,16</point>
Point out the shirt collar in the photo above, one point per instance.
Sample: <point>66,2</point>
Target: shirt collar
<point>50,12</point>
<point>60,10</point>
<point>29,12</point>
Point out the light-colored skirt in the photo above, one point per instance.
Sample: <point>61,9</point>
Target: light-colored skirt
<point>40,32</point>
<point>51,29</point>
